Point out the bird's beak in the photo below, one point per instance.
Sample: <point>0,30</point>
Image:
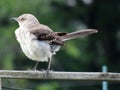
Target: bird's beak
<point>16,19</point>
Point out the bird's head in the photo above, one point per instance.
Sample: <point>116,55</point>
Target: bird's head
<point>26,20</point>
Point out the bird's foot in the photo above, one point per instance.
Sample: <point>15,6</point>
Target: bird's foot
<point>47,73</point>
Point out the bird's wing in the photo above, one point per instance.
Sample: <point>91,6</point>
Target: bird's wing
<point>46,34</point>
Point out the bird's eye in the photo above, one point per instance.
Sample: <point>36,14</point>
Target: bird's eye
<point>22,19</point>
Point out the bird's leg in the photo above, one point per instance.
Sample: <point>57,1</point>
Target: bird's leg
<point>48,68</point>
<point>35,67</point>
<point>49,63</point>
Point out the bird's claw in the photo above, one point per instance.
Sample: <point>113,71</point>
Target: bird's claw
<point>47,73</point>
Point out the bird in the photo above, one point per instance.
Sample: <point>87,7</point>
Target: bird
<point>39,42</point>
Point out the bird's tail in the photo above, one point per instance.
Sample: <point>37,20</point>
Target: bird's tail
<point>78,34</point>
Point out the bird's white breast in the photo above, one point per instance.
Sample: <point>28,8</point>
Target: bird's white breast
<point>33,49</point>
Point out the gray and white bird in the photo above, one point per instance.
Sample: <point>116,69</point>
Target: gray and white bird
<point>39,42</point>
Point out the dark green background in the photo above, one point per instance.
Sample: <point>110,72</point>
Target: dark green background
<point>87,54</point>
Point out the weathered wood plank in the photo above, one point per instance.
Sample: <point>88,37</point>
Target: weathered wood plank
<point>94,76</point>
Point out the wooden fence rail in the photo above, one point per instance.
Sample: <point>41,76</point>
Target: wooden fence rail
<point>94,76</point>
<point>53,75</point>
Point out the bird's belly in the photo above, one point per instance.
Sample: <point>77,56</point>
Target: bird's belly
<point>32,48</point>
<point>37,50</point>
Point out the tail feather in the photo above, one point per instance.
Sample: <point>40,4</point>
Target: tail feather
<point>78,34</point>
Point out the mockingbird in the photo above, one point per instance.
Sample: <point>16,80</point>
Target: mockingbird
<point>39,42</point>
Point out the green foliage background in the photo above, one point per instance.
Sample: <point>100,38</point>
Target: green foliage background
<point>87,54</point>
